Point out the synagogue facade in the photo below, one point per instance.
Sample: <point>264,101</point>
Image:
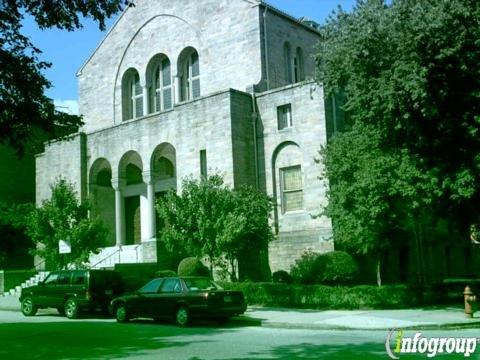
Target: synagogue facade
<point>189,88</point>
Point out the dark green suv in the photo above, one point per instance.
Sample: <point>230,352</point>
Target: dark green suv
<point>71,291</point>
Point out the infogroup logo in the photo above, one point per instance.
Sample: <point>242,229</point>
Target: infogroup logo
<point>431,347</point>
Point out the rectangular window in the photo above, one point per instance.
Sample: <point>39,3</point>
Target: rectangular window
<point>284,115</point>
<point>292,189</point>
<point>203,164</point>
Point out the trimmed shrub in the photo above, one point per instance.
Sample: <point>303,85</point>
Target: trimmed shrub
<point>337,267</point>
<point>306,270</point>
<point>332,268</point>
<point>281,276</point>
<point>327,297</point>
<point>191,266</point>
<point>165,273</point>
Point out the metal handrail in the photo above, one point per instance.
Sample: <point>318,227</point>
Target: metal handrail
<point>106,258</point>
<point>38,264</point>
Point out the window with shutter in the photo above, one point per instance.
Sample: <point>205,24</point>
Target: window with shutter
<point>190,77</point>
<point>162,86</point>
<point>292,189</point>
<point>137,97</point>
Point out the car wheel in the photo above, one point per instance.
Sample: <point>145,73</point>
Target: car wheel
<point>28,307</point>
<point>71,309</point>
<point>121,314</point>
<point>182,316</point>
<point>61,311</point>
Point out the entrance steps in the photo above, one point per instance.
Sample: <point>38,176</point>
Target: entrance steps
<point>34,280</point>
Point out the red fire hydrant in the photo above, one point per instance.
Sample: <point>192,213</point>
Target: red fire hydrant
<point>470,299</point>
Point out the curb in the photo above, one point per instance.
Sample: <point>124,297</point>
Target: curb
<point>249,321</point>
<point>448,326</point>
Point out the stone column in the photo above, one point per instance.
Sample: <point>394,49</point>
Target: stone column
<point>148,178</point>
<point>146,101</point>
<point>117,185</point>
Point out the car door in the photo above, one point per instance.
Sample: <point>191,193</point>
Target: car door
<point>146,297</point>
<point>167,297</point>
<point>46,290</point>
<point>61,288</point>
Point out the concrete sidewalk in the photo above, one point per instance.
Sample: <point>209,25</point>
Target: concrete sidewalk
<point>9,302</point>
<point>428,318</point>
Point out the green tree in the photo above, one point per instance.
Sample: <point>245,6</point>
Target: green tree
<point>373,193</point>
<point>209,219</point>
<point>14,242</point>
<point>63,217</point>
<point>409,154</point>
<point>27,116</point>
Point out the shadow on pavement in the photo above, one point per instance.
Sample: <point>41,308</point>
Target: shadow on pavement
<point>91,340</point>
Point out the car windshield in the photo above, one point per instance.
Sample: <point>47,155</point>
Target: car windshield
<point>201,284</point>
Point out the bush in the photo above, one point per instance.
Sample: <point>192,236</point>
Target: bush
<point>191,266</point>
<point>327,297</point>
<point>281,276</point>
<point>332,268</point>
<point>306,269</point>
<point>165,273</point>
<point>337,267</point>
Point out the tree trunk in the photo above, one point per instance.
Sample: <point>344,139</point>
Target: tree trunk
<point>417,234</point>
<point>233,274</point>
<point>379,273</point>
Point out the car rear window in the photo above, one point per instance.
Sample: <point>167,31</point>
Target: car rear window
<point>151,287</point>
<point>201,285</point>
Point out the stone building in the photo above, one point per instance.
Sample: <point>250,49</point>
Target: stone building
<point>184,88</point>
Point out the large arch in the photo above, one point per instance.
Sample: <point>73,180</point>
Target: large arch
<point>163,176</point>
<point>287,164</point>
<point>102,196</point>
<point>163,167</point>
<point>196,30</point>
<point>130,170</point>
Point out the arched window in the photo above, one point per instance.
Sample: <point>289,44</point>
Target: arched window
<point>132,95</point>
<point>161,85</point>
<point>189,74</point>
<point>288,63</point>
<point>298,72</point>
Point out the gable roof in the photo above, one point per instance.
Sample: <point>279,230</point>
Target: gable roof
<point>253,2</point>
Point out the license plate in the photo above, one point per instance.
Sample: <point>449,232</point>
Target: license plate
<point>227,299</point>
<point>108,292</point>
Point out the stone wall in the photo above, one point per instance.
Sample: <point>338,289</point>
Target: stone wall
<point>298,145</point>
<point>63,159</point>
<point>242,139</point>
<point>191,127</point>
<point>279,30</point>
<point>225,34</point>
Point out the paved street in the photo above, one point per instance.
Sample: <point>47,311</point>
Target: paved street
<point>49,336</point>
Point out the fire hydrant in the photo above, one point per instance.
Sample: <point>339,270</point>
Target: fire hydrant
<point>470,299</point>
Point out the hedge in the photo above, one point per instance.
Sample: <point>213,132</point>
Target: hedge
<point>327,297</point>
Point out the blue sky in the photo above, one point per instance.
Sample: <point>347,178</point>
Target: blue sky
<point>67,51</point>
